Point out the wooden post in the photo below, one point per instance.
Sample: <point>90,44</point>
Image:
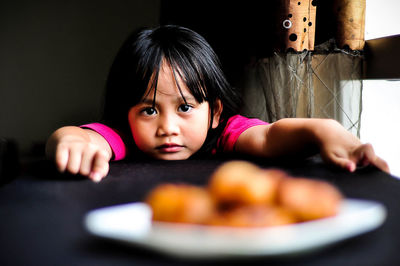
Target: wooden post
<point>296,25</point>
<point>350,16</point>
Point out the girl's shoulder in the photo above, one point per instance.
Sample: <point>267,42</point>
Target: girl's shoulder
<point>234,127</point>
<point>238,122</point>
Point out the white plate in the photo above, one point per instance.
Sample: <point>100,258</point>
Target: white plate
<point>131,223</point>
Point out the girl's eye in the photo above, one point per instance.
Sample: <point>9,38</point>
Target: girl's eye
<point>184,108</point>
<point>149,111</point>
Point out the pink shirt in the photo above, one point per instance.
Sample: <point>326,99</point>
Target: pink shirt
<point>235,126</point>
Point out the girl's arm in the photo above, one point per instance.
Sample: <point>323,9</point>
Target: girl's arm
<point>78,150</point>
<point>305,136</point>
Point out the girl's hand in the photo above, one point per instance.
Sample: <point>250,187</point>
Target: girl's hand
<point>341,148</point>
<point>79,151</point>
<point>307,136</point>
<point>362,155</point>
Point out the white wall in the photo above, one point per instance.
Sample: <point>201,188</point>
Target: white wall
<point>380,120</point>
<point>54,59</point>
<point>382,18</point>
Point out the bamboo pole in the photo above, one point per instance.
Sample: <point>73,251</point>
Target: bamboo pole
<point>296,25</point>
<point>350,16</point>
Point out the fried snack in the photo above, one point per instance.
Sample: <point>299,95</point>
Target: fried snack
<point>253,216</point>
<point>180,203</point>
<point>241,194</point>
<point>309,199</point>
<point>241,182</point>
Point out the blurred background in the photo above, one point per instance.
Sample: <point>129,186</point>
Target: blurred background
<point>55,56</point>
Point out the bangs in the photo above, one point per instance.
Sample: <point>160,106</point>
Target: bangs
<point>190,74</point>
<point>183,70</point>
<point>190,58</point>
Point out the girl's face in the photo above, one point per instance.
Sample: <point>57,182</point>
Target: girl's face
<point>171,129</point>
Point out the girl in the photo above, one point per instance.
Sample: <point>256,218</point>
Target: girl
<point>166,90</point>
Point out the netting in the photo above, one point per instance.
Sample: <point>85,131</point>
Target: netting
<point>324,83</point>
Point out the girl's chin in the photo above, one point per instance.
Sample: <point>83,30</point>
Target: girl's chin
<point>172,156</point>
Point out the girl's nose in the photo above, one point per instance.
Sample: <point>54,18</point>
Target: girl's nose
<point>168,126</point>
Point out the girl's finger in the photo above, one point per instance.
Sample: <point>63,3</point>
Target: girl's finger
<point>365,155</point>
<point>344,163</point>
<point>87,161</point>
<point>381,164</point>
<point>74,161</point>
<point>100,166</point>
<point>61,158</point>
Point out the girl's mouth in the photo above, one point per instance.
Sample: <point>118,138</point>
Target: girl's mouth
<point>170,147</point>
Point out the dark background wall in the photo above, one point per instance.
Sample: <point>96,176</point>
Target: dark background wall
<point>238,31</point>
<point>55,55</point>
<point>241,31</point>
<point>54,59</point>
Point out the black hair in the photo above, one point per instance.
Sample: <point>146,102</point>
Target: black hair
<point>139,60</point>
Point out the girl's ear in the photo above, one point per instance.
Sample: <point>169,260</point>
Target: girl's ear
<point>217,113</point>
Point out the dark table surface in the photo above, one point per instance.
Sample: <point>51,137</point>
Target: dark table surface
<point>41,214</point>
